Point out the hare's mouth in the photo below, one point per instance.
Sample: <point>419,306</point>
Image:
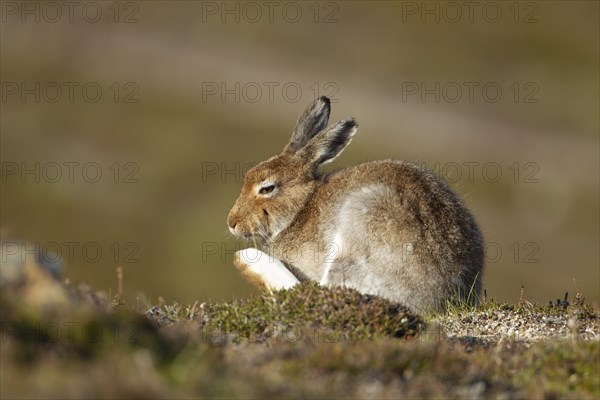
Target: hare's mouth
<point>251,235</point>
<point>256,239</point>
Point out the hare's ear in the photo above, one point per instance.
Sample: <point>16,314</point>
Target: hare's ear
<point>328,144</point>
<point>312,121</point>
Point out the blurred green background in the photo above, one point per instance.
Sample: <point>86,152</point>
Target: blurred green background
<point>193,93</point>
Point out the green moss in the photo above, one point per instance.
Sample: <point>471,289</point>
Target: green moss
<point>322,313</point>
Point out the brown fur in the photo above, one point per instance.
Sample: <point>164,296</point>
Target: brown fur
<point>384,227</point>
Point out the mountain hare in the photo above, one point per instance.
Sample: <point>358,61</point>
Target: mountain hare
<point>387,228</point>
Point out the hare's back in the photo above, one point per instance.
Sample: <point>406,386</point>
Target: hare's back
<point>410,182</point>
<point>399,201</point>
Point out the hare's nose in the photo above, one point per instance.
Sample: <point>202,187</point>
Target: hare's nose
<point>232,222</point>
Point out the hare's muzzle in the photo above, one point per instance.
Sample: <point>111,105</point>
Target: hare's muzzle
<point>232,222</point>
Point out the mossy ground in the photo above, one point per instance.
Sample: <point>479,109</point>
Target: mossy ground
<point>306,342</point>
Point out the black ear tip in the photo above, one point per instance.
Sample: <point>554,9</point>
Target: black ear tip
<point>325,100</point>
<point>350,123</point>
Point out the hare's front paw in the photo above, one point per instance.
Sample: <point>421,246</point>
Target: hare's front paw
<point>264,271</point>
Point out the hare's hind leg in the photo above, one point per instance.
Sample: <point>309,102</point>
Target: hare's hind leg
<point>263,270</point>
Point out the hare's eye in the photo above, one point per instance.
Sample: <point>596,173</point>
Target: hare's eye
<point>266,189</point>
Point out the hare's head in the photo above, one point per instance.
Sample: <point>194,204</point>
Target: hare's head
<point>274,191</point>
